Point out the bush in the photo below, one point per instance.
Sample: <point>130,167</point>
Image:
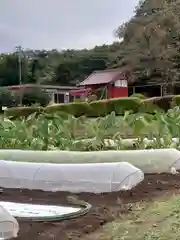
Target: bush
<point>118,105</point>
<point>98,108</point>
<point>138,95</point>
<point>158,103</point>
<point>76,108</point>
<point>79,109</point>
<point>35,96</point>
<point>121,105</point>
<point>58,108</point>
<point>94,109</point>
<point>149,105</point>
<point>22,111</point>
<point>7,99</point>
<point>102,107</point>
<point>164,102</point>
<point>176,100</point>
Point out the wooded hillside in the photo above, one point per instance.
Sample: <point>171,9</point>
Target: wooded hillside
<point>151,50</point>
<point>152,41</point>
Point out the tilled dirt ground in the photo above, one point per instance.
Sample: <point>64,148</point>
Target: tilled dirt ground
<point>106,207</point>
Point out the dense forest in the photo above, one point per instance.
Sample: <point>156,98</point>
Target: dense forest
<point>53,67</point>
<point>149,48</point>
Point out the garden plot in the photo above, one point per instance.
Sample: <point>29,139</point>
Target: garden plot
<point>98,180</point>
<point>58,142</point>
<point>106,208</point>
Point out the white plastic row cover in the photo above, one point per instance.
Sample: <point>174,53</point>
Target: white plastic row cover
<point>95,178</point>
<point>148,161</point>
<point>9,226</point>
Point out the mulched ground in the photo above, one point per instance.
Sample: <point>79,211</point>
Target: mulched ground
<point>106,207</point>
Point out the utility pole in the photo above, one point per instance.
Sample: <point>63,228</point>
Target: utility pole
<point>19,51</point>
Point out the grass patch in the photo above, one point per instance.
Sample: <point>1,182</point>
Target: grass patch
<point>159,220</point>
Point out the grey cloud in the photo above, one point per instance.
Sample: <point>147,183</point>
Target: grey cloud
<point>61,23</point>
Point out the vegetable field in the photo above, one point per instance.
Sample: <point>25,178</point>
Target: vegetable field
<point>148,211</point>
<point>65,132</point>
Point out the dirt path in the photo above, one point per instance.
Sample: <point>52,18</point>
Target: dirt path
<point>106,207</point>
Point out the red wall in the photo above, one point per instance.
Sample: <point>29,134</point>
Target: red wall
<point>113,92</point>
<point>95,86</point>
<point>117,92</point>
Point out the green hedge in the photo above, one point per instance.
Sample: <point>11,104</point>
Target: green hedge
<point>150,105</point>
<point>161,103</point>
<point>176,101</point>
<point>138,95</point>
<point>121,105</point>
<point>98,108</point>
<point>22,111</point>
<point>164,102</point>
<point>76,108</point>
<point>102,107</point>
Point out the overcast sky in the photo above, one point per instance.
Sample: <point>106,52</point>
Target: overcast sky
<point>47,24</point>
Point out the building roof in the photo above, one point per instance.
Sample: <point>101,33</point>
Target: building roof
<point>16,87</point>
<point>102,77</point>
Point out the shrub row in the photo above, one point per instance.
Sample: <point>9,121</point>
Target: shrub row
<point>165,102</point>
<point>102,107</point>
<point>93,109</point>
<point>16,112</point>
<point>176,100</point>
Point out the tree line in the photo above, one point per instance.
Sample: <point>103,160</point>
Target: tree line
<point>149,49</point>
<point>53,67</point>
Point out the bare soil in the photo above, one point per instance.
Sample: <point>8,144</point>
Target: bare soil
<point>106,207</point>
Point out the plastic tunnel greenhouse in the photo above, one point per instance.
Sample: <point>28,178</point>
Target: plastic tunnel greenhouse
<point>76,178</point>
<point>149,161</point>
<point>75,172</point>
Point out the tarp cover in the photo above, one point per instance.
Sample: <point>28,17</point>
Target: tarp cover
<point>149,161</point>
<point>26,210</point>
<point>9,226</point>
<point>95,178</point>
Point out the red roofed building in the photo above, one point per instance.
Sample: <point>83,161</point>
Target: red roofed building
<point>113,81</point>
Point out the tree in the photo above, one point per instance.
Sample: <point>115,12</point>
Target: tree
<point>151,41</point>
<point>35,96</point>
<point>7,99</point>
<point>53,67</point>
<point>8,70</point>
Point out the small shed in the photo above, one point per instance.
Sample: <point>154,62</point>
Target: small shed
<point>113,83</point>
<point>59,94</point>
